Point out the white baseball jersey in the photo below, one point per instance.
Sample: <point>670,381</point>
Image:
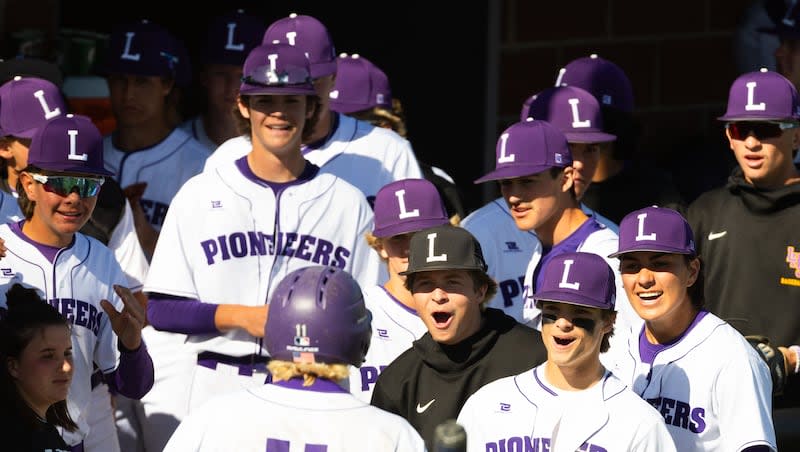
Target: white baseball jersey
<point>368,157</point>
<point>125,244</point>
<point>286,416</point>
<point>506,250</point>
<point>711,387</point>
<point>229,239</point>
<point>74,283</point>
<point>195,128</point>
<point>525,413</point>
<point>9,207</point>
<point>394,328</point>
<point>165,167</point>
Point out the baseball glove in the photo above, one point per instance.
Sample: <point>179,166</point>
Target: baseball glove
<point>774,359</point>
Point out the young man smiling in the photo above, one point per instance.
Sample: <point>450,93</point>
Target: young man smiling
<point>467,345</point>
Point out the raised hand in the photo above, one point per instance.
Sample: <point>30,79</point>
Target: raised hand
<point>127,324</point>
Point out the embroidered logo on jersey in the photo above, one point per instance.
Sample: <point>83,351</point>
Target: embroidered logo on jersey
<point>793,259</point>
<point>680,414</point>
<point>512,247</point>
<point>291,244</point>
<point>216,204</point>
<point>7,272</point>
<point>505,407</point>
<point>382,333</point>
<point>422,408</point>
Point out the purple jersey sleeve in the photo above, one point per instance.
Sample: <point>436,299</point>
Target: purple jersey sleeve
<point>134,376</point>
<point>181,315</point>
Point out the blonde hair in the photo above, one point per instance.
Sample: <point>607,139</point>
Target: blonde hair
<point>285,370</point>
<point>376,242</point>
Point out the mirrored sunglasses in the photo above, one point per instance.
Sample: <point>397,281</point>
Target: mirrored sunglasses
<point>760,129</point>
<point>266,76</point>
<point>86,187</point>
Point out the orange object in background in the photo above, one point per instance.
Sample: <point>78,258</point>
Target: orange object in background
<point>88,95</point>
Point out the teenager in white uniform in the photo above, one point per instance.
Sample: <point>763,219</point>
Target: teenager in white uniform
<point>233,232</point>
<point>712,388</point>
<point>75,273</point>
<point>317,327</point>
<point>401,208</point>
<point>368,157</point>
<point>570,402</point>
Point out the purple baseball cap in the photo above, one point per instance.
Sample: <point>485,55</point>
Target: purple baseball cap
<point>231,37</point>
<point>607,82</point>
<point>276,68</point>
<point>68,144</point>
<point>573,110</point>
<point>308,34</point>
<point>360,85</point>
<point>145,48</point>
<point>407,205</point>
<point>26,103</point>
<point>583,279</point>
<point>762,95</point>
<point>529,147</point>
<point>657,229</point>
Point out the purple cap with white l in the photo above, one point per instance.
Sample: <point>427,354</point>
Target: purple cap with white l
<point>573,110</point>
<point>148,49</point>
<point>607,82</point>
<point>583,279</point>
<point>68,144</point>
<point>529,147</point>
<point>407,205</point>
<point>656,229</point>
<point>26,103</point>
<point>310,36</point>
<point>276,68</point>
<point>760,96</point>
<point>231,37</point>
<point>360,85</point>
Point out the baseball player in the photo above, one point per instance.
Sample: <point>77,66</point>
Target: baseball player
<point>76,273</point>
<point>317,327</point>
<point>229,38</point>
<point>368,157</point>
<point>694,368</point>
<point>577,114</point>
<point>570,402</point>
<point>264,215</point>
<point>535,172</point>
<point>401,208</point>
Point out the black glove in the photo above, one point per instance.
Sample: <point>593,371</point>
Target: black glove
<point>774,359</point>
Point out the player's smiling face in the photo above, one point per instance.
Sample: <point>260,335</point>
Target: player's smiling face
<point>573,334</point>
<point>448,303</point>
<point>657,288</point>
<point>536,200</point>
<point>55,218</point>
<point>767,162</point>
<point>44,369</point>
<point>277,121</point>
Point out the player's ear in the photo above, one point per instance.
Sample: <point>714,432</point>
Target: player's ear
<point>728,136</point>
<point>567,178</point>
<point>28,183</point>
<point>13,367</point>
<point>694,271</point>
<point>244,109</point>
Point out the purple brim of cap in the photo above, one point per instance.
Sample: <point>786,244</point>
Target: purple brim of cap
<point>511,172</point>
<point>255,90</point>
<point>29,133</point>
<point>589,137</point>
<point>67,168</point>
<point>323,69</point>
<point>570,298</point>
<point>756,117</point>
<point>655,248</point>
<point>407,226</point>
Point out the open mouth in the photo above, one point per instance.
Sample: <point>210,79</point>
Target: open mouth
<point>442,319</point>
<point>563,341</point>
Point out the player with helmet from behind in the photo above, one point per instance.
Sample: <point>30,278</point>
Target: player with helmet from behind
<point>318,326</point>
<point>571,402</point>
<point>693,367</point>
<point>263,216</point>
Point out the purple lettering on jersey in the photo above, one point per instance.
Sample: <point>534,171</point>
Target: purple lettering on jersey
<point>509,289</point>
<point>68,309</point>
<point>699,418</point>
<point>288,241</point>
<point>281,445</point>
<point>154,211</point>
<point>323,253</point>
<point>369,375</point>
<point>340,257</point>
<point>238,244</point>
<point>667,405</point>
<point>302,247</point>
<point>258,243</point>
<point>223,247</point>
<point>210,249</point>
<point>680,414</point>
<point>80,314</point>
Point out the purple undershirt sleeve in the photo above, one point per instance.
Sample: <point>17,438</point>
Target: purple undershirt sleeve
<point>134,377</point>
<point>181,315</point>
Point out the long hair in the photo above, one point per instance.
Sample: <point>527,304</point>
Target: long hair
<point>27,316</point>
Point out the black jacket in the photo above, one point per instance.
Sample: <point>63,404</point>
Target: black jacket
<point>429,383</point>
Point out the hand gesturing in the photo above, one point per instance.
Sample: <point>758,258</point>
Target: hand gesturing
<point>128,323</point>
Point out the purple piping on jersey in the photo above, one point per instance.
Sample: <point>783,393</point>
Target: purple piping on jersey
<point>399,303</point>
<point>47,251</point>
<point>541,383</point>
<point>306,148</point>
<point>320,385</point>
<point>648,351</point>
<point>183,315</point>
<point>134,376</point>
<point>568,245</point>
<point>135,151</point>
<point>309,172</point>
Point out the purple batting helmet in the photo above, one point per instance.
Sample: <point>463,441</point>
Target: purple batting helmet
<point>583,279</point>
<point>317,315</point>
<point>656,229</point>
<point>310,36</point>
<point>573,110</point>
<point>276,68</point>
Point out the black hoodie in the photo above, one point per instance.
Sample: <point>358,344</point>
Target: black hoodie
<point>429,383</point>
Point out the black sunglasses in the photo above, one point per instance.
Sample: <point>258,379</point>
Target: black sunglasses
<point>760,129</point>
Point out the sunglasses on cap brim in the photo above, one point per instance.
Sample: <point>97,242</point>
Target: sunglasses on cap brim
<point>762,130</point>
<point>266,76</point>
<point>86,187</point>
